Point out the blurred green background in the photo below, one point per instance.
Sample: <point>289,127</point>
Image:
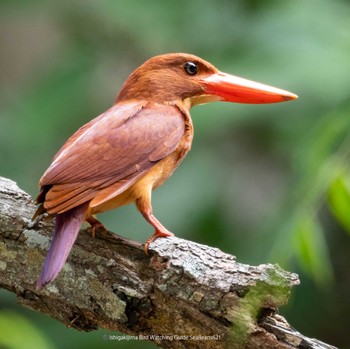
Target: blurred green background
<point>267,183</point>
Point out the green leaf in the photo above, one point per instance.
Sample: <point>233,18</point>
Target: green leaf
<point>311,248</point>
<point>339,201</point>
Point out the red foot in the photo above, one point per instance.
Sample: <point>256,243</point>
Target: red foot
<point>157,234</point>
<point>95,225</point>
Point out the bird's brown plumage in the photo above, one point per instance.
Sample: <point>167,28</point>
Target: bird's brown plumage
<point>140,134</point>
<point>163,79</point>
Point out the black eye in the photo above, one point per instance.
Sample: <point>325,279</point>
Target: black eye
<point>191,68</point>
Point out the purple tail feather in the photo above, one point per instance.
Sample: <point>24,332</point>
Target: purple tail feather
<point>66,231</point>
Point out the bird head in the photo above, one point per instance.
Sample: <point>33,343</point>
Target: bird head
<point>175,77</point>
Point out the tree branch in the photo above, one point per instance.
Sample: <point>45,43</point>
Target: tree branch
<point>185,295</point>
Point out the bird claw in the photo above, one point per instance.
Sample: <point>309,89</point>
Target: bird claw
<point>96,225</point>
<point>157,234</point>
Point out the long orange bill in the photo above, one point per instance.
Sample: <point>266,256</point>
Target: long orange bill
<point>232,88</point>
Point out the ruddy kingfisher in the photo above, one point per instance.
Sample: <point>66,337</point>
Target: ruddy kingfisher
<point>132,148</point>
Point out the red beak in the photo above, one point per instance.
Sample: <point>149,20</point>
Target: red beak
<point>232,88</point>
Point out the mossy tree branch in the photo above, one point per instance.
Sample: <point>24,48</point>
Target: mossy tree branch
<point>184,294</point>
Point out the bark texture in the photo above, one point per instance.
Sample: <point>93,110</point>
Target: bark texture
<point>184,295</point>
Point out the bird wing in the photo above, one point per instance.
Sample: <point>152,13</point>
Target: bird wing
<point>114,149</point>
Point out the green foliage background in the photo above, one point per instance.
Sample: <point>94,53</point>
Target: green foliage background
<point>268,183</point>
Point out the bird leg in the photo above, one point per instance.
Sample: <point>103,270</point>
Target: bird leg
<point>144,206</point>
<point>95,225</point>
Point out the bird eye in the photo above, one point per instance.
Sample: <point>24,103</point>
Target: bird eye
<point>191,68</point>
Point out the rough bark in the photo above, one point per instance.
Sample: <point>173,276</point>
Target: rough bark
<point>184,295</point>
